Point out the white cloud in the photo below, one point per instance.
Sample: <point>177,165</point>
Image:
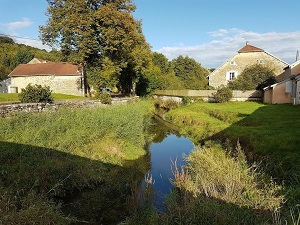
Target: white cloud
<point>32,42</point>
<point>226,42</point>
<point>20,24</point>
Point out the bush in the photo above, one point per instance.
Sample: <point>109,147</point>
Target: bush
<point>104,97</point>
<point>223,95</point>
<point>36,93</point>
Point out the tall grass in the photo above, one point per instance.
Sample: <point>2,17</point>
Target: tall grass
<point>54,154</point>
<point>228,179</point>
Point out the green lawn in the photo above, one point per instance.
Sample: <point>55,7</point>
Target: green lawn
<point>267,132</point>
<point>13,97</point>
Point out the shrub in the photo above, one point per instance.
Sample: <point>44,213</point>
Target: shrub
<point>36,93</point>
<point>104,97</point>
<point>224,94</point>
<point>253,77</point>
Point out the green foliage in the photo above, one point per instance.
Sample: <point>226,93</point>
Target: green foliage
<point>6,40</point>
<point>224,94</point>
<point>36,93</point>
<point>191,73</point>
<point>103,34</point>
<point>253,77</point>
<point>105,98</point>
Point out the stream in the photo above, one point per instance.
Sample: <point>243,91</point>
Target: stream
<point>112,201</point>
<point>165,155</point>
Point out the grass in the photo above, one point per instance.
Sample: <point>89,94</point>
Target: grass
<point>269,134</point>
<point>13,97</point>
<point>266,132</point>
<point>50,156</point>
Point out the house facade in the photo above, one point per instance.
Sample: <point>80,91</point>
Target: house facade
<point>287,90</point>
<point>246,56</point>
<point>64,78</point>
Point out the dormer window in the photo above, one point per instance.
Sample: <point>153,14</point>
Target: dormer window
<point>232,63</point>
<point>260,61</point>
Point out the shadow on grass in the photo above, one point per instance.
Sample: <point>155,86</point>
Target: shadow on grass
<point>208,211</point>
<point>91,190</point>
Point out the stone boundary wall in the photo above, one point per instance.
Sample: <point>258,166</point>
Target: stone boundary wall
<point>10,109</point>
<point>208,95</point>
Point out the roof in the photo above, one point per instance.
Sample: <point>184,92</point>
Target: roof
<point>49,68</point>
<point>250,48</point>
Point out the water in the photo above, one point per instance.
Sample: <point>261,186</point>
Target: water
<point>164,154</point>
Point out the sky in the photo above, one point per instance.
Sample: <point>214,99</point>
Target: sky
<point>209,31</point>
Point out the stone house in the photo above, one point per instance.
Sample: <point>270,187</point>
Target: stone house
<point>61,77</point>
<point>287,90</point>
<point>246,56</point>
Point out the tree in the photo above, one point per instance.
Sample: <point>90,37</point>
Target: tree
<point>6,40</point>
<point>256,76</point>
<point>101,33</point>
<point>192,74</point>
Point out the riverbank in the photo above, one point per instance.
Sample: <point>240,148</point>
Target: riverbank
<point>269,135</point>
<point>48,158</point>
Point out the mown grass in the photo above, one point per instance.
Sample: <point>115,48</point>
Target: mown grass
<point>52,155</point>
<point>14,97</point>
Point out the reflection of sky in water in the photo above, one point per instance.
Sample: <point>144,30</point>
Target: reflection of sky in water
<point>171,149</point>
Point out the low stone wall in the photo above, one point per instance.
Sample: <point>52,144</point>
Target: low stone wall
<point>10,109</point>
<point>208,95</point>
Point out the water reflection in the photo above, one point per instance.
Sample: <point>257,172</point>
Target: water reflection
<point>167,147</point>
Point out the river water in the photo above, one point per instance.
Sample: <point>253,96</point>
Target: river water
<point>166,151</point>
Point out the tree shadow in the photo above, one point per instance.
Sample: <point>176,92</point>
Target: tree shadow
<point>93,191</point>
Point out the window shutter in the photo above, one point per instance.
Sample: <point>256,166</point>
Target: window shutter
<point>288,86</point>
<point>227,75</point>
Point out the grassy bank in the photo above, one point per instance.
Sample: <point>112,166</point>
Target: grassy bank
<point>269,134</point>
<point>14,97</point>
<point>48,157</point>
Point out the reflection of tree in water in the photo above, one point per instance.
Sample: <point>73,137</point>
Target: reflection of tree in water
<point>159,130</point>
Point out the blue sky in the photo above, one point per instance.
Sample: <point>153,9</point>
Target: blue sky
<point>210,31</point>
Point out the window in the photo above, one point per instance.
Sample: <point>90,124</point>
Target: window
<point>231,75</point>
<point>260,61</point>
<point>232,63</point>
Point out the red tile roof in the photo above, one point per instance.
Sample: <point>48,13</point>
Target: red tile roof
<point>250,48</point>
<point>49,68</point>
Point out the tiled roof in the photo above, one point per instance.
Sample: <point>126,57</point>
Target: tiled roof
<point>250,48</point>
<point>49,68</point>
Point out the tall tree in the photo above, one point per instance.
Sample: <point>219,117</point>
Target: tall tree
<point>101,33</point>
<point>190,72</point>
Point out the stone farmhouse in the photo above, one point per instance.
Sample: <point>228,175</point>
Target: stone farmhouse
<point>61,77</point>
<point>287,90</point>
<point>246,56</point>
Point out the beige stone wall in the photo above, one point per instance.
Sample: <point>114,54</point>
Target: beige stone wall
<point>207,95</point>
<point>242,60</point>
<point>58,84</point>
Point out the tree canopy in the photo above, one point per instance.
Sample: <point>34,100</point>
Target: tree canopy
<point>256,76</point>
<point>101,33</point>
<point>190,72</point>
